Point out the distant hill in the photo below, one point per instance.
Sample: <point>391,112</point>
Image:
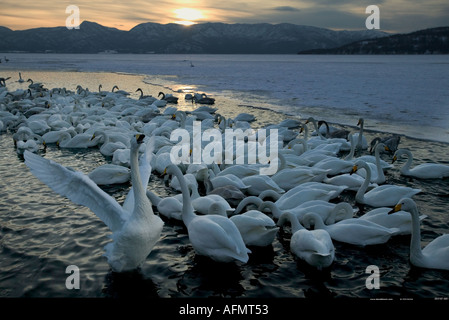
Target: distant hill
<point>174,38</point>
<point>428,41</point>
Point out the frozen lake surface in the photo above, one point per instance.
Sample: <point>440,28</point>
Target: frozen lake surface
<point>399,94</point>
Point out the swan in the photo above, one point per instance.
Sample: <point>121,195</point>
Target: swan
<point>383,196</point>
<point>108,147</point>
<point>422,171</point>
<point>305,192</point>
<point>256,228</point>
<point>134,232</point>
<point>329,212</point>
<point>392,142</point>
<point>435,255</point>
<point>213,236</point>
<point>313,246</point>
<point>369,158</point>
<point>231,194</point>
<point>202,99</point>
<point>110,174</point>
<point>332,132</point>
<point>362,143</point>
<point>401,220</point>
<point>122,92</point>
<point>342,143</point>
<point>20,78</point>
<point>352,231</point>
<point>259,183</point>
<point>228,180</point>
<point>168,97</point>
<point>288,178</point>
<point>245,117</point>
<point>79,141</point>
<point>252,202</point>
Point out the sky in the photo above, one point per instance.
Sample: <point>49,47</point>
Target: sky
<point>399,16</point>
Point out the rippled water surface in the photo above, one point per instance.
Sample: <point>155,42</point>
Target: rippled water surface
<point>42,233</point>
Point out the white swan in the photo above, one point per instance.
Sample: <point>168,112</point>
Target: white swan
<point>256,228</point>
<point>401,219</point>
<point>259,183</point>
<point>110,174</point>
<point>422,171</point>
<point>306,192</point>
<point>134,233</point>
<point>313,246</point>
<point>108,147</point>
<point>383,196</point>
<point>288,178</point>
<point>353,231</point>
<point>436,254</point>
<point>362,143</point>
<point>329,212</point>
<point>213,236</point>
<point>376,164</point>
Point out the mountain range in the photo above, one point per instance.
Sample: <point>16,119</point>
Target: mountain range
<point>207,38</point>
<point>427,41</point>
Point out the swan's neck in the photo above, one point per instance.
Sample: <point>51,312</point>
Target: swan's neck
<point>283,164</point>
<point>351,153</point>
<point>317,130</point>
<point>194,194</point>
<point>380,171</point>
<point>406,167</point>
<point>138,189</point>
<point>296,226</point>
<point>359,140</point>
<point>361,192</point>
<point>315,220</point>
<point>275,211</point>
<point>415,241</point>
<point>246,201</point>
<point>187,209</point>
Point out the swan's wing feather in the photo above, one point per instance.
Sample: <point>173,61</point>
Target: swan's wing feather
<point>77,187</point>
<point>219,235</point>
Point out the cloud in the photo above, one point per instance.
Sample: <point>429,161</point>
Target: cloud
<point>286,9</point>
<point>395,15</point>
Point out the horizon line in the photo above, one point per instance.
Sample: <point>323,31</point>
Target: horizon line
<point>225,23</point>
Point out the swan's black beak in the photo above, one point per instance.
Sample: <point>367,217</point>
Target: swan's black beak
<point>140,137</point>
<point>394,159</point>
<point>395,209</point>
<point>354,170</point>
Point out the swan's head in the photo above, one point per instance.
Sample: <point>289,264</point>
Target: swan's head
<point>138,139</point>
<point>359,164</point>
<point>405,204</point>
<point>360,122</point>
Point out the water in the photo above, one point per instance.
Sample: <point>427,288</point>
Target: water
<point>41,233</point>
<point>401,94</point>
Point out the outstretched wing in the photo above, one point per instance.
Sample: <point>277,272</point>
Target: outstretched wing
<point>77,187</point>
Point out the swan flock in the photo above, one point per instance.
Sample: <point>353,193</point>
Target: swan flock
<point>220,192</point>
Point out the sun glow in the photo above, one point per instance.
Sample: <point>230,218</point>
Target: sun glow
<point>187,16</point>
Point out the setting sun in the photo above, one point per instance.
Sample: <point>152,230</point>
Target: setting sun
<point>187,16</point>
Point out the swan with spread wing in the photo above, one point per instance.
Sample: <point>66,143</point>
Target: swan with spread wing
<point>135,228</point>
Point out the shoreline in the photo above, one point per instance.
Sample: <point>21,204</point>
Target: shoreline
<point>227,105</point>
